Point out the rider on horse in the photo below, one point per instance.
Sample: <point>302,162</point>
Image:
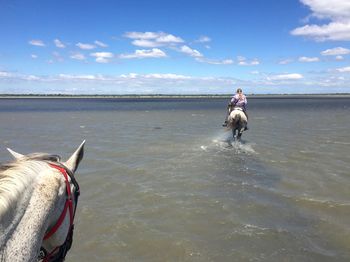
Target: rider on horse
<point>239,100</point>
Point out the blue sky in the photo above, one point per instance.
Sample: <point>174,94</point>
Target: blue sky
<point>174,47</point>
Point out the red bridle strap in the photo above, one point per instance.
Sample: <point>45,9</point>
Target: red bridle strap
<point>68,205</point>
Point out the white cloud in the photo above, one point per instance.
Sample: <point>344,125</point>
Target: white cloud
<point>191,52</point>
<point>203,39</point>
<point>153,53</point>
<point>242,61</point>
<point>145,43</point>
<point>285,61</point>
<point>85,46</point>
<point>167,76</point>
<point>5,74</point>
<point>215,61</point>
<point>168,39</point>
<point>100,44</point>
<point>31,78</point>
<point>79,77</point>
<point>33,56</point>
<point>170,83</point>
<point>102,57</point>
<point>255,62</point>
<point>141,35</point>
<point>344,69</point>
<point>336,51</point>
<point>337,12</point>
<point>138,83</point>
<point>335,31</point>
<point>308,59</point>
<point>339,58</point>
<point>130,75</point>
<point>36,43</point>
<point>58,43</point>
<point>285,77</point>
<point>153,39</point>
<point>78,56</point>
<point>323,9</point>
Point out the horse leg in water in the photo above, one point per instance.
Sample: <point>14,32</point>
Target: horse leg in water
<point>240,132</point>
<point>234,133</point>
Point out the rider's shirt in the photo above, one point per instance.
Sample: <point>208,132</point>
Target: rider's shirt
<point>239,101</point>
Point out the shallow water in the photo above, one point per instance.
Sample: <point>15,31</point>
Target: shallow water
<point>160,180</point>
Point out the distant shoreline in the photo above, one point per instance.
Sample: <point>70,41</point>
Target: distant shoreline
<point>198,96</point>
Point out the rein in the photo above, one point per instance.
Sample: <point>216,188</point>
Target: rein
<point>63,249</point>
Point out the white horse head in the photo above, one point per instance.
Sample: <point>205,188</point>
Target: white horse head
<point>237,121</point>
<point>38,197</point>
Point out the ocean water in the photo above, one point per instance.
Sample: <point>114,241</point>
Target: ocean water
<point>161,180</point>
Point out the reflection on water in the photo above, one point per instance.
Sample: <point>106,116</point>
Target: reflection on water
<point>160,181</point>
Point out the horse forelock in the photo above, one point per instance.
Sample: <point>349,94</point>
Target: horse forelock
<point>42,157</point>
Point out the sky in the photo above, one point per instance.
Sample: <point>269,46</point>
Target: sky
<point>174,47</point>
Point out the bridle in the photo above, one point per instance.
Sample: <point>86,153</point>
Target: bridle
<point>59,252</point>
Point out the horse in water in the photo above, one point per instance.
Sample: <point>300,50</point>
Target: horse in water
<point>237,122</point>
<point>38,199</point>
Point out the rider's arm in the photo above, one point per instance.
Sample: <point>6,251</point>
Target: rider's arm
<point>234,100</point>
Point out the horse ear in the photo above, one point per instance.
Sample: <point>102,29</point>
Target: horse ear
<point>15,154</point>
<point>73,162</point>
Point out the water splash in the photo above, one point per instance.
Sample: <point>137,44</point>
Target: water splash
<point>223,141</point>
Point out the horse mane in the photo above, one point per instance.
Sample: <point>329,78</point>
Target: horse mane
<point>15,177</point>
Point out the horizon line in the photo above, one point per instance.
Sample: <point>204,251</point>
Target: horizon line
<point>168,95</point>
